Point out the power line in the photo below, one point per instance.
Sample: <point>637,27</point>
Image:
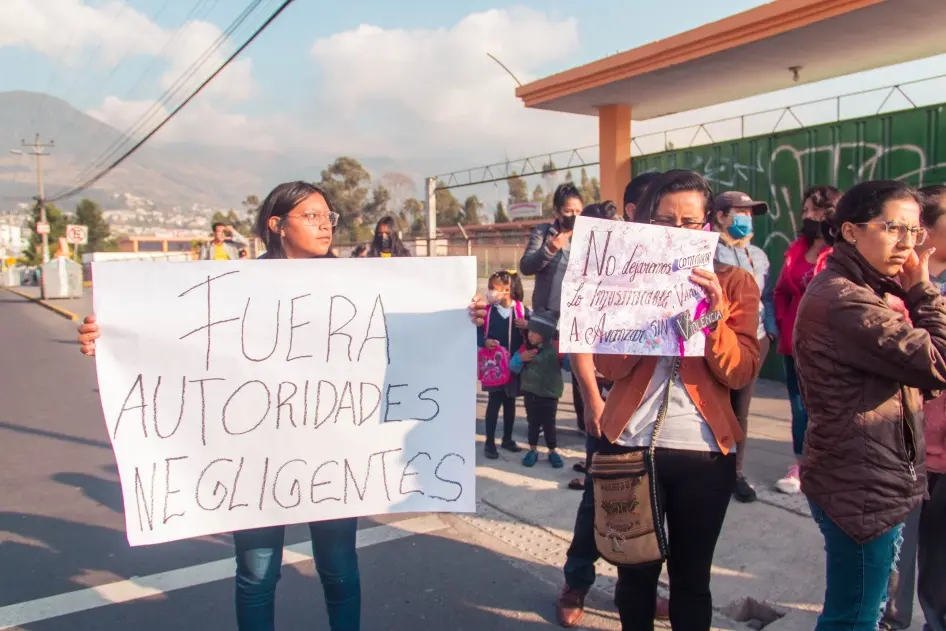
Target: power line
<point>146,117</point>
<point>282,7</point>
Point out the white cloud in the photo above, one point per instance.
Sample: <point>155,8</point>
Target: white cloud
<point>414,93</point>
<point>71,32</point>
<point>201,122</point>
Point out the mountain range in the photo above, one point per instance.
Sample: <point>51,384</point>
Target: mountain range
<point>168,174</point>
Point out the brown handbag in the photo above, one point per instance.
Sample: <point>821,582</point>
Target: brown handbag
<point>629,521</point>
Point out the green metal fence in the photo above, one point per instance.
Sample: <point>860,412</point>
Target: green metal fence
<point>908,145</point>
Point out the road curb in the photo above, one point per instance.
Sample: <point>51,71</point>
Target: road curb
<point>54,308</point>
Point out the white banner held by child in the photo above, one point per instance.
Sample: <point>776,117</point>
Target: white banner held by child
<point>627,289</point>
<point>245,394</point>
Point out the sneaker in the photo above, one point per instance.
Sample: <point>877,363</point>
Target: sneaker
<point>570,607</point>
<point>510,445</point>
<point>490,452</point>
<point>790,484</point>
<point>531,457</point>
<point>555,460</point>
<point>743,491</point>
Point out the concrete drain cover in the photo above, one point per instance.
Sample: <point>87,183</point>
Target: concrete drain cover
<point>752,613</point>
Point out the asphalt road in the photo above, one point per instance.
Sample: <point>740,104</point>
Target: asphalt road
<point>62,530</point>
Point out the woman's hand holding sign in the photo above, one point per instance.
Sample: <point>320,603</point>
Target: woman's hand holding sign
<point>88,333</point>
<point>710,284</point>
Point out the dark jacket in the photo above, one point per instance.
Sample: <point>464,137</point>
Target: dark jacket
<point>499,330</point>
<point>548,268</point>
<point>861,366</point>
<point>543,375</point>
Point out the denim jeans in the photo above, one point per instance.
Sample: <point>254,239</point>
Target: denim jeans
<point>856,576</point>
<point>799,413</point>
<point>259,558</point>
<point>583,551</point>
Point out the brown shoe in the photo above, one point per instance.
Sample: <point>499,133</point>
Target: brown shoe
<point>663,609</point>
<point>570,607</point>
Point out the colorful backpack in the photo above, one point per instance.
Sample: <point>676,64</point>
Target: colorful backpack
<point>493,363</point>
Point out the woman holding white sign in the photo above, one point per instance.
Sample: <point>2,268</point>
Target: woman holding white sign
<point>295,221</point>
<point>689,472</point>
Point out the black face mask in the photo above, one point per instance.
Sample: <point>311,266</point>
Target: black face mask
<point>811,229</point>
<point>567,223</point>
<point>383,241</point>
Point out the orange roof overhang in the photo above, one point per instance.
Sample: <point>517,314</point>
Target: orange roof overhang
<point>748,54</point>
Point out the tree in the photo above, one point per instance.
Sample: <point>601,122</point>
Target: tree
<point>518,192</point>
<point>231,218</point>
<point>471,211</point>
<point>590,189</point>
<point>412,211</point>
<point>250,207</point>
<point>400,185</point>
<point>449,209</point>
<point>550,177</point>
<point>376,207</point>
<point>500,216</point>
<point>33,254</point>
<point>538,194</point>
<point>89,214</point>
<point>347,182</point>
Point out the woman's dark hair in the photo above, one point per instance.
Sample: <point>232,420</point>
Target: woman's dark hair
<point>864,202</point>
<point>278,203</point>
<point>823,197</point>
<point>602,210</point>
<point>934,203</point>
<point>636,188</point>
<point>511,278</point>
<point>563,193</point>
<point>397,248</point>
<point>358,251</point>
<point>673,181</point>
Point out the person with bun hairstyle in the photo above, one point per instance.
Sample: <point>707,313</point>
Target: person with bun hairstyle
<point>693,459</point>
<point>862,367</point>
<point>797,271</point>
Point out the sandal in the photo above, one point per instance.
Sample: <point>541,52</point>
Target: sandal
<point>579,467</point>
<point>577,484</point>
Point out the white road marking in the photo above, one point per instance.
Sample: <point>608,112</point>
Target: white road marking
<point>13,616</point>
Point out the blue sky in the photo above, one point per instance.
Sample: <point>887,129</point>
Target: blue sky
<point>409,82</point>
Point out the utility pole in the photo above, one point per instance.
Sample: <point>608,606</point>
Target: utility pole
<point>36,148</point>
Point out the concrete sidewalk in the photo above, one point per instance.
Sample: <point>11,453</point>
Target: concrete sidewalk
<point>770,551</point>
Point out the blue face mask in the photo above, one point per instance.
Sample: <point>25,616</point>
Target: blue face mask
<point>741,227</point>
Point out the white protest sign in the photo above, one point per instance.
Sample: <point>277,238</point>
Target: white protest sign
<point>242,394</point>
<point>626,286</point>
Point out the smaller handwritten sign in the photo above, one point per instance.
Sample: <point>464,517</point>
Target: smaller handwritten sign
<point>627,289</point>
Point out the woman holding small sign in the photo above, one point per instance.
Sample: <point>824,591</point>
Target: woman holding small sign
<point>690,470</point>
<point>295,221</point>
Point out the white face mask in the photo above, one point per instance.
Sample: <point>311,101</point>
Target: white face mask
<point>493,297</point>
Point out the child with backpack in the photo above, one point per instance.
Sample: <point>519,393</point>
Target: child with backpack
<point>501,333</point>
<point>540,380</point>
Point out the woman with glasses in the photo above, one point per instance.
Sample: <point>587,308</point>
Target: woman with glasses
<point>861,367</point>
<point>694,457</point>
<point>295,221</point>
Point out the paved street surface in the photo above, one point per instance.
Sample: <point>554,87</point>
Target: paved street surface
<point>66,563</point>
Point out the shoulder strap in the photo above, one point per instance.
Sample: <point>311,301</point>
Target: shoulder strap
<point>520,313</point>
<point>486,323</point>
<point>662,413</point>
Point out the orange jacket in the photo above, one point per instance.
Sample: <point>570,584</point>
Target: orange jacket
<point>731,361</point>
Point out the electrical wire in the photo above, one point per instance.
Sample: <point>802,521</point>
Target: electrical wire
<point>78,189</point>
<point>178,86</point>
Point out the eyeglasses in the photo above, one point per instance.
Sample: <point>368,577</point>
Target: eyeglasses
<point>897,232</point>
<point>317,219</point>
<point>670,222</point>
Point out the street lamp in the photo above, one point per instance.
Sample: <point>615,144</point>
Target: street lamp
<point>16,152</point>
